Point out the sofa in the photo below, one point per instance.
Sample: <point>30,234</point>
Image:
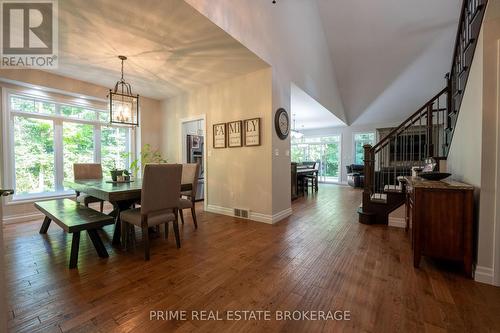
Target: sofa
<point>355,175</point>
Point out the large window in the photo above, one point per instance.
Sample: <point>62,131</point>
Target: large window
<point>48,136</point>
<point>361,139</point>
<point>325,150</point>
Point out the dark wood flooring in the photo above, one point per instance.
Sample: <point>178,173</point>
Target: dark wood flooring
<point>321,258</point>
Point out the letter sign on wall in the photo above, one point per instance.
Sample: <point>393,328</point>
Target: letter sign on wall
<point>235,134</point>
<point>220,135</point>
<point>251,129</point>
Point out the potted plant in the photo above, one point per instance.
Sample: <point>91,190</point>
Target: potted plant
<point>115,173</point>
<point>126,175</point>
<point>147,155</point>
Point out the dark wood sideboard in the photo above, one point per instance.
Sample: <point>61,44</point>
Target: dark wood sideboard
<point>441,217</point>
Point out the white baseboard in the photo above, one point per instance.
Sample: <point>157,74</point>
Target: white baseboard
<point>18,218</point>
<point>484,275</point>
<point>397,222</point>
<point>258,217</point>
<point>282,215</point>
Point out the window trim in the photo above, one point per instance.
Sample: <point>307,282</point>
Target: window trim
<point>354,142</point>
<point>8,164</point>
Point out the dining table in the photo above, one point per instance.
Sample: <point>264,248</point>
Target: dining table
<point>122,195</point>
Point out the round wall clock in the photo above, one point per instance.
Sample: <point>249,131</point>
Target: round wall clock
<point>282,123</point>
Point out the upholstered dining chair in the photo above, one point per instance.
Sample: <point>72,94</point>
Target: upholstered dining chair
<point>161,189</point>
<point>190,173</point>
<point>84,171</point>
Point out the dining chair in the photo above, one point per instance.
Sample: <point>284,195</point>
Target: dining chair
<point>84,171</point>
<point>161,189</point>
<point>190,172</point>
<point>313,177</point>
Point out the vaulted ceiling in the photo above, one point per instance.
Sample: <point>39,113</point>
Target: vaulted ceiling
<point>171,47</point>
<point>389,56</point>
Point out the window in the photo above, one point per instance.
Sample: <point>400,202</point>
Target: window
<point>325,150</point>
<point>114,147</point>
<point>361,139</point>
<point>78,146</point>
<point>47,137</point>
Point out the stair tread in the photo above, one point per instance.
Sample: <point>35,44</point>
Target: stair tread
<point>393,189</point>
<point>379,197</point>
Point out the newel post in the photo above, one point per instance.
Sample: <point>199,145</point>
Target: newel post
<point>369,169</point>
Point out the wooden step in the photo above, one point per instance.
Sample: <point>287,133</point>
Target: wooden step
<point>379,198</point>
<point>393,189</point>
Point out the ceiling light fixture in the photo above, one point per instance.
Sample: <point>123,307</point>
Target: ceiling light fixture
<point>295,134</point>
<point>123,105</point>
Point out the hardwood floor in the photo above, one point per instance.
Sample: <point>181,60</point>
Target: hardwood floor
<point>321,258</point>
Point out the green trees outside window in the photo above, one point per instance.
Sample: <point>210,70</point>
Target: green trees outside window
<point>78,146</point>
<point>34,158</point>
<point>114,148</point>
<point>361,139</point>
<point>46,133</point>
<point>325,150</point>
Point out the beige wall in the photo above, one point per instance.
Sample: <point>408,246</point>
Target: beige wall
<point>235,177</point>
<point>25,80</point>
<point>489,224</point>
<point>464,159</point>
<point>475,152</point>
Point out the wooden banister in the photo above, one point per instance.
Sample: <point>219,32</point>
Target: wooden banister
<point>427,132</point>
<point>384,140</point>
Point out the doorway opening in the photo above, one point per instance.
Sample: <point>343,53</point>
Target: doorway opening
<point>193,150</point>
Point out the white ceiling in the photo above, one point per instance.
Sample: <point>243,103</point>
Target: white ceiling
<point>171,46</point>
<point>389,56</point>
<point>308,113</point>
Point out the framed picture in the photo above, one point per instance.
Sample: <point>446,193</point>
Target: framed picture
<point>220,136</point>
<point>251,132</point>
<point>235,134</point>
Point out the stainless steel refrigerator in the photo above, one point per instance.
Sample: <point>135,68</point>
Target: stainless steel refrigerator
<point>194,154</point>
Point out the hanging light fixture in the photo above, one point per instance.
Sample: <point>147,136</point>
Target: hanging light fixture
<point>123,105</point>
<point>296,134</point>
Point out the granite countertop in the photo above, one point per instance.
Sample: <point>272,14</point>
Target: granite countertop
<point>419,182</point>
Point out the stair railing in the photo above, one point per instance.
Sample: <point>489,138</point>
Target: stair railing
<point>422,135</point>
<point>429,131</point>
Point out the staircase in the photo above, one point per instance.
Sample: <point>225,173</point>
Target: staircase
<point>426,133</point>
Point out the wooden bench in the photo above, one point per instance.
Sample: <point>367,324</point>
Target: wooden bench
<point>74,218</point>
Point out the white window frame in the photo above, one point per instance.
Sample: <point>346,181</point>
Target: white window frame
<point>58,120</point>
<point>354,142</point>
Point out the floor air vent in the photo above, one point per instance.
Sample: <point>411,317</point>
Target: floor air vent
<point>241,213</point>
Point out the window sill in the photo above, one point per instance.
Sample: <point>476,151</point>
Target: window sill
<point>30,198</point>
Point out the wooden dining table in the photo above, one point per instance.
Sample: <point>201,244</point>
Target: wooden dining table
<point>122,195</point>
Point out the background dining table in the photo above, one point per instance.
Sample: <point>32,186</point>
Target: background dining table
<point>122,195</point>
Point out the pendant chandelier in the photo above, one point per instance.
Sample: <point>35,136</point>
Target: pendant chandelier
<point>123,105</point>
<point>295,133</point>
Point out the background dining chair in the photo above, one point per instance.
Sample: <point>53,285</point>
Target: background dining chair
<point>190,172</point>
<point>161,189</point>
<point>84,171</point>
<point>313,177</point>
